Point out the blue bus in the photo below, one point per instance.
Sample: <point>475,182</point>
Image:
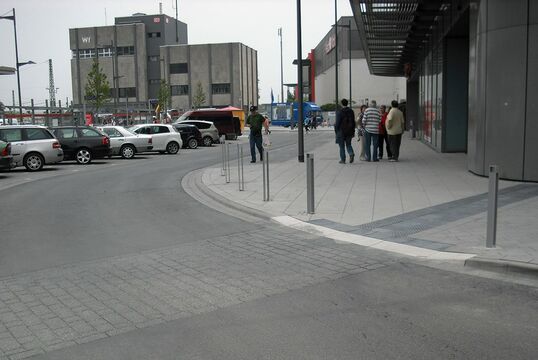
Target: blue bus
<point>285,114</point>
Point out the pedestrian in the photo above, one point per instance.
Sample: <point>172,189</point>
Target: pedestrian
<point>371,121</point>
<point>255,121</point>
<point>395,126</point>
<point>344,128</point>
<point>360,133</point>
<point>383,139</point>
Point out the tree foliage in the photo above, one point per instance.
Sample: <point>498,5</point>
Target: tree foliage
<point>97,89</point>
<point>199,97</point>
<point>164,95</point>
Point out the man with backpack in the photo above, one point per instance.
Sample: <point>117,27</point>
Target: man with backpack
<point>344,128</point>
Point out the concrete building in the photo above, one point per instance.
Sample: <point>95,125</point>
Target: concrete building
<point>364,85</point>
<point>228,74</point>
<point>128,52</point>
<point>472,69</point>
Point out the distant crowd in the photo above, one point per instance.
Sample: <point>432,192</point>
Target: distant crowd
<point>376,128</point>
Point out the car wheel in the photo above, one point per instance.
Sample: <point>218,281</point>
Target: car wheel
<point>192,143</point>
<point>207,141</point>
<point>127,151</point>
<point>34,162</point>
<point>83,156</point>
<point>172,147</point>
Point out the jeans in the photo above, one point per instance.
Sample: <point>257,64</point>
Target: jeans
<point>383,139</point>
<point>371,139</point>
<point>256,142</point>
<point>345,143</point>
<point>395,141</point>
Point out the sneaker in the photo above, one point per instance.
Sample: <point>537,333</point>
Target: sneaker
<point>341,162</point>
<point>377,160</point>
<point>393,160</point>
<point>351,158</point>
<point>252,161</point>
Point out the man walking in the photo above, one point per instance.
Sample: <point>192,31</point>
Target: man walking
<point>371,121</point>
<point>344,128</point>
<point>255,121</point>
<point>395,126</point>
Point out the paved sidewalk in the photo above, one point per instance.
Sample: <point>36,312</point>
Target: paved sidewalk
<point>428,200</point>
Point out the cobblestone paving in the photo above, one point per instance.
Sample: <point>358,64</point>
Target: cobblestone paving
<point>54,308</point>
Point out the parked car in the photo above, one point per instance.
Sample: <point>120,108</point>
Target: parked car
<point>165,137</point>
<point>82,143</point>
<point>6,160</point>
<point>210,133</point>
<point>190,135</point>
<point>125,143</point>
<point>32,146</point>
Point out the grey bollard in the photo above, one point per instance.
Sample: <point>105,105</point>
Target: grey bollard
<point>265,166</point>
<point>491,234</point>
<point>240,173</point>
<point>310,203</point>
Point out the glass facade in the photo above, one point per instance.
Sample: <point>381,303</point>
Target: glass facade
<point>431,97</point>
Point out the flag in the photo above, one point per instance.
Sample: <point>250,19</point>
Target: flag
<point>272,97</point>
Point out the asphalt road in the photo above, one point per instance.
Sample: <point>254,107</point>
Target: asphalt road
<point>115,261</point>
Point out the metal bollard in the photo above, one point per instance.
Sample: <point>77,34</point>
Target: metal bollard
<point>491,234</point>
<point>223,160</point>
<point>228,175</point>
<point>310,203</point>
<point>265,166</point>
<point>240,173</point>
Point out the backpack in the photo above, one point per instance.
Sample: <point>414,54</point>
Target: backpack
<point>347,125</point>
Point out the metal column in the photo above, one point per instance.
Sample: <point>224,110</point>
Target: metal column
<point>491,236</point>
<point>310,202</point>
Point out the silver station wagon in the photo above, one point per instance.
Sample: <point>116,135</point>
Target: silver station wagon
<point>32,146</point>
<point>125,143</point>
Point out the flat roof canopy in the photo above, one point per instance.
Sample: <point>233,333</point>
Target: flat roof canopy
<point>394,32</point>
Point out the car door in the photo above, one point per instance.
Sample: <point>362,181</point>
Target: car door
<point>117,139</point>
<point>157,141</point>
<point>68,139</point>
<point>18,146</point>
<point>160,136</point>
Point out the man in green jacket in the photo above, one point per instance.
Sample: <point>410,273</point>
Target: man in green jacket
<point>255,121</point>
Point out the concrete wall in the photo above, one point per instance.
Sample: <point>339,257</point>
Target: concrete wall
<point>228,63</point>
<point>502,88</point>
<point>131,69</point>
<point>364,85</point>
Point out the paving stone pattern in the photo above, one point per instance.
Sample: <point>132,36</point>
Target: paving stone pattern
<point>401,228</point>
<point>54,308</point>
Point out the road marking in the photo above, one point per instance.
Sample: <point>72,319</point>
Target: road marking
<point>366,241</point>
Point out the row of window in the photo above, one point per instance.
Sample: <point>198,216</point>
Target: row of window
<point>29,134</point>
<point>216,89</point>
<point>129,92</point>
<point>103,52</point>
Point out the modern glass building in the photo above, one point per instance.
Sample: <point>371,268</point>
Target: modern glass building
<point>472,70</point>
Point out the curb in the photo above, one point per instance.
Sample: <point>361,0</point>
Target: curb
<point>503,266</point>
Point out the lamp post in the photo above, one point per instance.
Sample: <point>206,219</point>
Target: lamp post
<point>348,26</point>
<point>300,139</point>
<point>336,55</point>
<point>281,68</point>
<point>19,64</point>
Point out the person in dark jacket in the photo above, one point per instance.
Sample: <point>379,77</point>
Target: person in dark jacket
<point>344,128</point>
<point>255,121</point>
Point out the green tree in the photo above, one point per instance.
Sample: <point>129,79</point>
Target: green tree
<point>97,89</point>
<point>164,96</point>
<point>199,97</point>
<point>328,107</point>
<point>291,97</point>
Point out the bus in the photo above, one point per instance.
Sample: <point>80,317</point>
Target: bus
<point>285,114</point>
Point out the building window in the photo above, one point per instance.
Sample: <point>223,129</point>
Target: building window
<point>180,68</point>
<point>124,92</point>
<point>154,35</point>
<point>153,58</point>
<point>220,88</point>
<point>176,90</point>
<point>154,81</point>
<point>104,52</point>
<point>74,54</point>
<point>125,50</point>
<point>86,53</point>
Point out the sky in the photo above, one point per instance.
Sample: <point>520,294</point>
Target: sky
<point>43,33</point>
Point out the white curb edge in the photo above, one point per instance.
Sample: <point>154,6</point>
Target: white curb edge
<point>361,240</point>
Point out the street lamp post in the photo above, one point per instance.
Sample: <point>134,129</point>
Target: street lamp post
<point>19,64</point>
<point>281,68</point>
<point>300,139</point>
<point>336,54</point>
<point>348,26</point>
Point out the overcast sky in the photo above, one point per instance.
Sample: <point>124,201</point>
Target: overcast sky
<point>43,33</point>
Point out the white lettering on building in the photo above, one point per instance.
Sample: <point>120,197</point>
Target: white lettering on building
<point>86,39</point>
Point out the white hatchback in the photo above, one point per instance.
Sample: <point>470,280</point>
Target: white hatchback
<point>165,137</point>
